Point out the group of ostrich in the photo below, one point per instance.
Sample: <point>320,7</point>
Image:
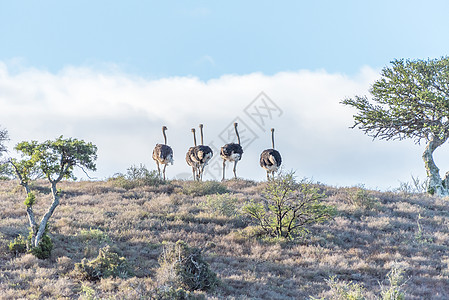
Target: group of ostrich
<point>198,156</point>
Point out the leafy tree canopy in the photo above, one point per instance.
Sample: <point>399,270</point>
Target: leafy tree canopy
<point>411,100</point>
<point>55,159</point>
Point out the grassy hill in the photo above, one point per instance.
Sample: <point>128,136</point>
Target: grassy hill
<point>372,234</point>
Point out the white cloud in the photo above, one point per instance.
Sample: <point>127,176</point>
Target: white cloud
<point>123,114</point>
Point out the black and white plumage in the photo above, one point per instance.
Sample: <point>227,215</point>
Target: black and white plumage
<point>190,155</point>
<point>270,159</point>
<point>232,152</point>
<point>202,155</point>
<point>163,154</point>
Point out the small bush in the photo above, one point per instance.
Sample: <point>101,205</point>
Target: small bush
<point>18,246</point>
<point>172,293</point>
<point>107,264</point>
<point>183,267</point>
<point>43,250</point>
<point>359,197</point>
<point>94,234</point>
<point>395,283</point>
<point>137,177</point>
<point>224,204</point>
<point>344,291</point>
<point>288,207</point>
<point>202,188</point>
<point>355,291</point>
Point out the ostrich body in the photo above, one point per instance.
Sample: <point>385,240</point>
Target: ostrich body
<point>163,154</point>
<point>190,155</point>
<point>270,159</point>
<point>202,155</point>
<point>232,152</point>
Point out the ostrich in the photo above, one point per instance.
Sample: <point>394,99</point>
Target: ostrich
<point>202,155</point>
<point>163,154</point>
<point>270,159</point>
<point>190,154</point>
<point>231,152</point>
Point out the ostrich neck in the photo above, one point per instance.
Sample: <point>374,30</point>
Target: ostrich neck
<point>194,139</point>
<point>237,134</point>
<point>201,129</point>
<point>165,137</point>
<point>272,139</point>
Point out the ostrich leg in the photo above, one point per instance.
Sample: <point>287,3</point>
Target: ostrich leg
<point>194,175</point>
<point>202,171</point>
<point>224,166</point>
<point>235,166</point>
<point>158,168</point>
<point>164,170</point>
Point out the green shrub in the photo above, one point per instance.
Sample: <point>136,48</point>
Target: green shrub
<point>172,293</point>
<point>202,188</point>
<point>344,291</point>
<point>107,264</point>
<point>223,204</point>
<point>288,207</point>
<point>137,177</point>
<point>30,199</point>
<point>359,197</point>
<point>18,246</point>
<point>183,267</point>
<point>394,290</point>
<point>43,250</point>
<point>94,234</point>
<point>355,291</point>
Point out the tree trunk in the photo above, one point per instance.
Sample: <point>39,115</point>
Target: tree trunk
<point>30,214</point>
<point>435,185</point>
<point>47,216</point>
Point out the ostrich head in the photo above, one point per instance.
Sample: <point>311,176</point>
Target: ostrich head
<point>194,136</point>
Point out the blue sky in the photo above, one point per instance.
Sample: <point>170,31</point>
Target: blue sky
<point>210,38</point>
<point>114,72</point>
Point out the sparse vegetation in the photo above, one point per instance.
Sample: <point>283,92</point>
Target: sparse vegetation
<point>202,188</point>
<point>358,246</point>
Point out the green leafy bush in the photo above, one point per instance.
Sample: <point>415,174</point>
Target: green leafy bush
<point>137,177</point>
<point>18,246</point>
<point>359,197</point>
<point>107,264</point>
<point>172,293</point>
<point>223,204</point>
<point>340,290</point>
<point>183,267</point>
<point>94,234</point>
<point>43,250</point>
<point>288,207</point>
<point>202,188</point>
<point>22,245</point>
<point>396,281</point>
<point>30,199</point>
<point>344,291</point>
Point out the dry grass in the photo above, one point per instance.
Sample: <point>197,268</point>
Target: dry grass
<point>372,232</point>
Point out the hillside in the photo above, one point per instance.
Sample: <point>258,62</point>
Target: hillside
<point>373,233</point>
